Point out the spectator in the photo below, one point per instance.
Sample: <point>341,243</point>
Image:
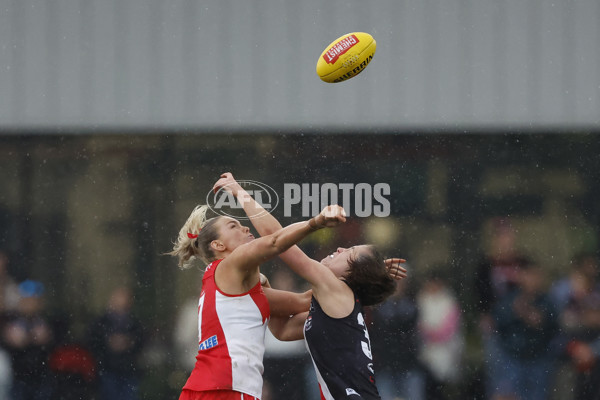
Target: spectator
<point>29,336</point>
<point>578,299</point>
<point>440,328</point>
<point>74,368</point>
<point>526,323</point>
<point>396,346</point>
<point>117,340</point>
<point>585,359</point>
<point>571,295</point>
<point>582,277</point>
<point>495,277</point>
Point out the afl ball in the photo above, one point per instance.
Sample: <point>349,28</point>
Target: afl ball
<point>346,57</point>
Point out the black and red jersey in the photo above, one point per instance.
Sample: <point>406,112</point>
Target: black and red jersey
<point>341,352</point>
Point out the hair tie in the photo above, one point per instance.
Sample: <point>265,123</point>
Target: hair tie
<point>192,236</point>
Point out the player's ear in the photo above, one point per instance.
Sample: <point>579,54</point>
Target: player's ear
<point>217,245</point>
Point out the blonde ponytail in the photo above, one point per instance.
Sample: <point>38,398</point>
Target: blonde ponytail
<point>185,248</point>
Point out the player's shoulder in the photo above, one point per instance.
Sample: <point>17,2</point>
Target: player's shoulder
<point>212,265</point>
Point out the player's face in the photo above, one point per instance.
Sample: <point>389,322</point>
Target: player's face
<point>337,262</point>
<point>233,234</point>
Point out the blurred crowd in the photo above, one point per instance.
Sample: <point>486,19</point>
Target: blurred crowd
<point>40,359</point>
<point>518,335</point>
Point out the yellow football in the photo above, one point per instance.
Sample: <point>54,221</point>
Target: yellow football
<point>346,57</point>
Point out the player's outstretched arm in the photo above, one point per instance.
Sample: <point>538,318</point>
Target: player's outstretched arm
<point>264,222</point>
<point>255,252</point>
<point>288,328</point>
<point>267,224</point>
<point>283,303</point>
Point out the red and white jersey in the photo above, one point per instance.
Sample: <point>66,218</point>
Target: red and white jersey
<point>231,338</point>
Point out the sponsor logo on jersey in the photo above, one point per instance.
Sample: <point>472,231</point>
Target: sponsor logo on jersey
<point>208,343</point>
<point>350,392</point>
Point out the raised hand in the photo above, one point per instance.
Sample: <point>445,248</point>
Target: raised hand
<point>395,269</point>
<point>228,183</point>
<point>331,216</point>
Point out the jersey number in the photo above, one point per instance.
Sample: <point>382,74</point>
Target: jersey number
<point>366,346</point>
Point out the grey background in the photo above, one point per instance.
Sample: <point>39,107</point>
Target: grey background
<point>449,64</point>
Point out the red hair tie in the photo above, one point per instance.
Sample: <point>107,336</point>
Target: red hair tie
<point>192,236</point>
